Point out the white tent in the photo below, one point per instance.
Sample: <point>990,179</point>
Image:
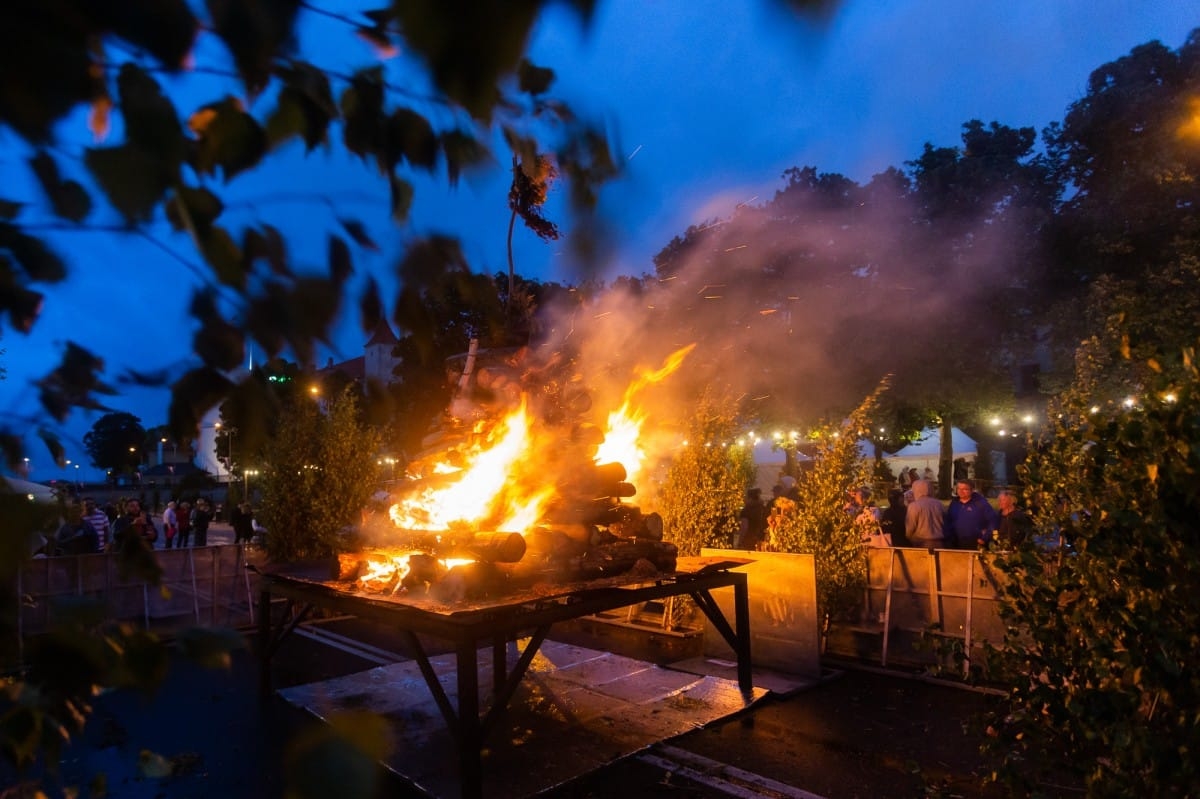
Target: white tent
<point>924,452</point>
<point>36,492</point>
<point>769,460</point>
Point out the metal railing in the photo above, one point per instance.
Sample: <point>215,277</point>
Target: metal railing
<point>953,592</point>
<point>200,586</point>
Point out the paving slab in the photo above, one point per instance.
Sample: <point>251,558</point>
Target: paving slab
<point>576,711</point>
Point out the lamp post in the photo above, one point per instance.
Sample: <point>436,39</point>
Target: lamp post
<point>230,432</point>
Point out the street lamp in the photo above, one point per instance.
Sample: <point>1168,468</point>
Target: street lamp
<point>246,474</point>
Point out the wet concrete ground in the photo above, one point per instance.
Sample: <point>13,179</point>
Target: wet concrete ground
<point>856,734</point>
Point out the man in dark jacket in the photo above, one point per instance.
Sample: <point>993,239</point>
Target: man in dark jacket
<point>1015,527</point>
<point>133,528</point>
<point>75,536</point>
<point>201,517</point>
<point>970,519</point>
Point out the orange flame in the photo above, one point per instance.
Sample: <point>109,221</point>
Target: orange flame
<point>396,567</point>
<point>483,493</point>
<point>1190,127</point>
<point>624,430</point>
<point>505,486</point>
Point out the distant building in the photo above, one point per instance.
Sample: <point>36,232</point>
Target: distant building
<point>377,361</point>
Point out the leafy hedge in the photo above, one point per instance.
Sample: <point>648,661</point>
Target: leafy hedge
<point>1103,631</point>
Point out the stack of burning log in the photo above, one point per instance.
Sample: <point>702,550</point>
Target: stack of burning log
<point>589,532</point>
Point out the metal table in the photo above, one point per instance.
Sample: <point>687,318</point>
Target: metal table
<point>468,624</point>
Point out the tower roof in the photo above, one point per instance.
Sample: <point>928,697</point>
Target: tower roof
<point>383,335</point>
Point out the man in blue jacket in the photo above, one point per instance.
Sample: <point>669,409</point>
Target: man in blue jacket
<point>970,519</point>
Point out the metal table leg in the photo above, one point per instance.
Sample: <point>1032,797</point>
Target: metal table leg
<point>470,736</point>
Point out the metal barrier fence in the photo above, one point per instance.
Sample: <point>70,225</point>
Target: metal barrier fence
<point>911,592</point>
<point>208,586</point>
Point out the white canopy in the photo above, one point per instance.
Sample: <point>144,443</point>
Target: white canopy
<point>769,460</point>
<point>35,491</point>
<point>766,453</point>
<point>924,452</point>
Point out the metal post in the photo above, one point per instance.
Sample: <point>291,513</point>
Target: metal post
<point>470,737</point>
<point>935,611</point>
<point>195,589</point>
<point>213,552</point>
<point>887,606</point>
<point>20,618</point>
<point>249,593</point>
<point>970,601</point>
<point>264,639</point>
<point>741,614</point>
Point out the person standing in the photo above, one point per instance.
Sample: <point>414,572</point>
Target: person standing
<point>133,528</point>
<point>894,518</point>
<point>170,525</point>
<point>752,521</point>
<point>923,518</point>
<point>183,517</point>
<point>970,518</point>
<point>865,512</point>
<point>75,536</point>
<point>242,521</point>
<point>1015,526</point>
<point>98,519</point>
<point>201,517</point>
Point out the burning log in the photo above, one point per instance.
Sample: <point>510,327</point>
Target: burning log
<point>495,547</point>
<point>475,580</point>
<point>623,555</point>
<point>490,547</point>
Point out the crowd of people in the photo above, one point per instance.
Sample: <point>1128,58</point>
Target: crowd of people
<point>90,529</point>
<point>913,517</point>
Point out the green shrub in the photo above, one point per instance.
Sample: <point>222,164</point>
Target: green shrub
<point>321,472</point>
<point>1104,631</point>
<point>705,486</point>
<point>819,525</point>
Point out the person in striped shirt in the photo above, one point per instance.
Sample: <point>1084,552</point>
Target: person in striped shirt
<point>98,519</point>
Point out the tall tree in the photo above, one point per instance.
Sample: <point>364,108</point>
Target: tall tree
<point>1129,149</point>
<point>532,178</point>
<point>117,441</point>
<point>982,208</point>
<point>1130,152</point>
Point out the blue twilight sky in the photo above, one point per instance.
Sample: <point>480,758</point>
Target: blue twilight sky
<point>708,102</point>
